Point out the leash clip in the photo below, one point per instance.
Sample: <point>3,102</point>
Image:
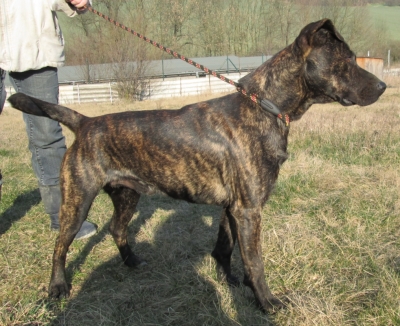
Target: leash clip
<point>268,106</point>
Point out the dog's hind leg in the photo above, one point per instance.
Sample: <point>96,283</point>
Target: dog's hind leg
<point>223,249</point>
<point>125,201</point>
<point>248,223</point>
<point>74,210</point>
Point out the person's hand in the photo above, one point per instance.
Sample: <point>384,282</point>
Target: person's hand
<point>80,4</point>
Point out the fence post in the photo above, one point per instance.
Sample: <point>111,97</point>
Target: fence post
<point>162,66</point>
<point>111,98</point>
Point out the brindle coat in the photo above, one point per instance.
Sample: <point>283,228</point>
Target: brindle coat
<point>226,151</point>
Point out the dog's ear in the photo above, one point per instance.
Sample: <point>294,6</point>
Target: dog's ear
<point>308,36</point>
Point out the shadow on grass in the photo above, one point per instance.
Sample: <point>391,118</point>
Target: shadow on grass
<point>22,204</point>
<point>176,287</point>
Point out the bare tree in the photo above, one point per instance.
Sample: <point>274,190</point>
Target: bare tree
<point>95,41</point>
<point>287,12</point>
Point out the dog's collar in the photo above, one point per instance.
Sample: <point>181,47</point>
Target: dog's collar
<point>266,105</point>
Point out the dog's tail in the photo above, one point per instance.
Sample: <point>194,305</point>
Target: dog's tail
<point>31,105</point>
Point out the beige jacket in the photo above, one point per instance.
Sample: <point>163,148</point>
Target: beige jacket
<point>30,36</point>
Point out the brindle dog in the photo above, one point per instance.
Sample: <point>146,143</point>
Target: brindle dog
<point>226,151</point>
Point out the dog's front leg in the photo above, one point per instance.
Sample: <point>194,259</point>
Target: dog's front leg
<point>248,223</point>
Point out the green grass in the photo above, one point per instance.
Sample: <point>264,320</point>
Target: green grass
<point>330,237</point>
<point>365,148</point>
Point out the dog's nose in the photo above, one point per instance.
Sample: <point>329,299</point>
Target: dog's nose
<point>381,86</point>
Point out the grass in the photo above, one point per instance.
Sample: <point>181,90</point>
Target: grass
<point>330,236</point>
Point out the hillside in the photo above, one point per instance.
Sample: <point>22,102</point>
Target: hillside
<point>387,16</point>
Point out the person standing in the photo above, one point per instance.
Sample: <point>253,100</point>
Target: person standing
<point>31,50</point>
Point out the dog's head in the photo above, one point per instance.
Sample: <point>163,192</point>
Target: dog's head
<point>318,67</point>
<point>331,71</point>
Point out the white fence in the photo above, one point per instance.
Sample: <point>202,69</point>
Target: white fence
<point>392,72</point>
<point>153,89</point>
<point>84,93</point>
<point>185,86</point>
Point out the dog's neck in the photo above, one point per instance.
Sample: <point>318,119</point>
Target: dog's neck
<point>284,68</point>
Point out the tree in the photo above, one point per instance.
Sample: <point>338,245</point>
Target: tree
<point>95,41</point>
<point>211,28</point>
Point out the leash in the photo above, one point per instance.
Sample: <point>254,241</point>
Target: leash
<point>265,104</point>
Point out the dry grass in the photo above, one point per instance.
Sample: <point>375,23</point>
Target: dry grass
<point>330,240</point>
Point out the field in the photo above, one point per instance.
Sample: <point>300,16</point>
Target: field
<point>331,236</point>
<point>387,16</point>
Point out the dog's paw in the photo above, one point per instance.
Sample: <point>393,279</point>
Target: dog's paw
<point>134,261</point>
<point>59,291</point>
<point>232,280</point>
<point>273,304</point>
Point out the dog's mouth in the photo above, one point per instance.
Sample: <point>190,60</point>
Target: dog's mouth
<point>346,102</point>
